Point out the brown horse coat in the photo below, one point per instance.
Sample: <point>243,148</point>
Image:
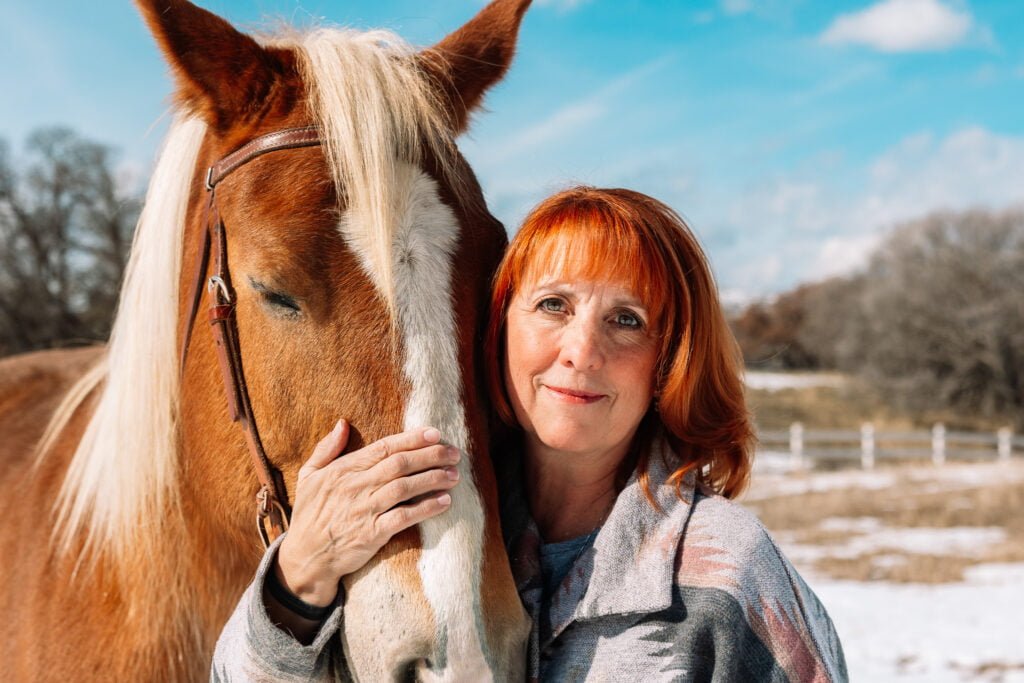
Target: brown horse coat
<point>125,553</point>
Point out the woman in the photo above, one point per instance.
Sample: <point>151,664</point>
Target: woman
<point>618,383</point>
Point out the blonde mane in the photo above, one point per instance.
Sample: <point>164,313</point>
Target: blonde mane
<point>375,110</point>
<point>124,466</point>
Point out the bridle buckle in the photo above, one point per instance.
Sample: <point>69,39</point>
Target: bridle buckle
<point>216,285</point>
<point>267,508</point>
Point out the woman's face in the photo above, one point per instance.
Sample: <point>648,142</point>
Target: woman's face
<point>580,364</point>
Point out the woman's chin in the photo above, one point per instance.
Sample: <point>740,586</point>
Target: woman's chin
<point>572,443</point>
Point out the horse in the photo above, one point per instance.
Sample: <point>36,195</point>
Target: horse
<point>315,174</point>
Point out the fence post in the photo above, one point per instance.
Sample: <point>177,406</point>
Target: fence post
<point>867,446</point>
<point>939,444</point>
<point>796,445</point>
<point>1003,437</point>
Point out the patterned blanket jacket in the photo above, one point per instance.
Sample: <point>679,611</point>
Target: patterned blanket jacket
<point>695,591</point>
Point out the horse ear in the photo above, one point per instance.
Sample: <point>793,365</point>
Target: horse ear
<point>475,57</point>
<point>221,73</point>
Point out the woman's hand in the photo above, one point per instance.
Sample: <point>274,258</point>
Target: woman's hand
<point>347,508</point>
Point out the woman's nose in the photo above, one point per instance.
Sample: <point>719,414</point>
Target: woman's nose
<point>581,346</point>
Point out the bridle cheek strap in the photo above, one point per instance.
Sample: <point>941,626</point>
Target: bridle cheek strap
<point>272,509</point>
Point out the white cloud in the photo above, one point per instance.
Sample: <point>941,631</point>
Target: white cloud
<point>842,254</point>
<point>901,26</point>
<point>734,7</point>
<point>968,168</point>
<point>566,120</point>
<point>803,226</point>
<point>972,166</point>
<point>571,119</point>
<point>735,299</point>
<point>767,268</point>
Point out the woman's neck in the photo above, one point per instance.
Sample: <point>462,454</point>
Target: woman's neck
<point>569,494</point>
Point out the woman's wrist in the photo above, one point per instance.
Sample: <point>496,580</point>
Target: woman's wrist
<point>281,594</point>
<point>313,590</point>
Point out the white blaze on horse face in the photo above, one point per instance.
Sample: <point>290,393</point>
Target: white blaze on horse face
<point>450,566</point>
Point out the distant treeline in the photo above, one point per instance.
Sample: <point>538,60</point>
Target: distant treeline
<point>65,233</point>
<point>936,318</point>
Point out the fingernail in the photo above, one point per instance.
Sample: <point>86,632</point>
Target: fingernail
<point>431,434</point>
<point>337,427</point>
<point>452,472</point>
<point>444,499</point>
<point>453,454</point>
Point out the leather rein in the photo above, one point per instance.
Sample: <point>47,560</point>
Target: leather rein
<point>272,509</point>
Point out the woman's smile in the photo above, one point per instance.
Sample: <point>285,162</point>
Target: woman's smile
<point>573,396</point>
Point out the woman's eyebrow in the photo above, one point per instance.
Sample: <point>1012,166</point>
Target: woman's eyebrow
<point>539,288</point>
<point>632,302</point>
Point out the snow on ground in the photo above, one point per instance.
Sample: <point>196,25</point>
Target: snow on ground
<point>961,476</point>
<point>776,381</point>
<point>915,633</point>
<point>947,633</point>
<point>775,475</point>
<point>963,541</point>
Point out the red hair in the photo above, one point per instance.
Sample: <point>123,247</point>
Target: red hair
<point>627,237</point>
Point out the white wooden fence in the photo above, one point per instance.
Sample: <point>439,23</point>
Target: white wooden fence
<point>808,447</point>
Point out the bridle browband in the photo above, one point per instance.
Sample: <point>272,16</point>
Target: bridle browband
<point>272,509</point>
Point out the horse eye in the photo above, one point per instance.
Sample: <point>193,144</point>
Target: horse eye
<point>279,300</point>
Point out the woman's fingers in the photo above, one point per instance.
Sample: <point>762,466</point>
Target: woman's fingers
<point>402,517</point>
<point>400,490</point>
<point>405,463</point>
<point>410,440</point>
<point>327,449</point>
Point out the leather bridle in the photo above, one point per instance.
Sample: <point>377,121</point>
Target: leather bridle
<point>272,509</point>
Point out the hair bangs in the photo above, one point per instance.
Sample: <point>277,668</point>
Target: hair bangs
<point>598,248</point>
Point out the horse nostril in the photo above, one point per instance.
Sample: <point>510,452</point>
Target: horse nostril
<point>411,670</point>
<point>407,673</point>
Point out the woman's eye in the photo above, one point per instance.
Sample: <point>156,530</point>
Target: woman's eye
<point>551,305</point>
<point>624,319</point>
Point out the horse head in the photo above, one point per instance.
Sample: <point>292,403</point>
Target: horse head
<point>358,270</point>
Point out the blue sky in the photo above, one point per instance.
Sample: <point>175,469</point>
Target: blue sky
<point>791,133</point>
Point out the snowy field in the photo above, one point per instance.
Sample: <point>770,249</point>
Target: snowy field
<point>775,381</point>
<point>969,631</point>
<point>966,630</point>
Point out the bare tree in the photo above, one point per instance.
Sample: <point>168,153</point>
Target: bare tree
<point>771,333</point>
<point>832,329</point>
<point>942,314</point>
<point>65,232</point>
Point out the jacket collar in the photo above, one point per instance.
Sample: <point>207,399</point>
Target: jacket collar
<point>633,564</point>
<point>630,567</point>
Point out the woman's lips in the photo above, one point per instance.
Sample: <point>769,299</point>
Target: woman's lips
<point>573,395</point>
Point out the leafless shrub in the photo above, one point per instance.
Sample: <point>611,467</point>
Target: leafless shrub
<point>942,314</point>
<point>65,232</point>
